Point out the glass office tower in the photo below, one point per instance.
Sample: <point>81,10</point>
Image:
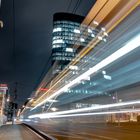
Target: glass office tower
<point>3,94</point>
<point>66,37</point>
<point>70,35</point>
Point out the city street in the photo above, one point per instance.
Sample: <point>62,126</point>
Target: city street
<point>75,131</point>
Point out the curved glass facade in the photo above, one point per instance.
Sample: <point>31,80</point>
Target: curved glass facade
<point>66,36</point>
<point>69,36</point>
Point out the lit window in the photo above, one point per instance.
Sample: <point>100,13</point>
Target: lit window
<point>77,31</point>
<point>73,67</point>
<point>58,41</point>
<point>107,77</point>
<point>104,40</point>
<point>95,22</point>
<point>69,50</point>
<point>92,35</point>
<point>57,30</point>
<point>100,38</point>
<point>103,29</point>
<point>103,72</point>
<point>89,30</point>
<point>82,39</point>
<point>105,33</point>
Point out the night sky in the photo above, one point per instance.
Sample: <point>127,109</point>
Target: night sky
<point>25,40</point>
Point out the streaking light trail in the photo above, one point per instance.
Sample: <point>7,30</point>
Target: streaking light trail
<point>128,47</point>
<point>92,114</point>
<point>100,107</point>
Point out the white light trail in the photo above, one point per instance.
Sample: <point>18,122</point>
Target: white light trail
<point>54,101</point>
<point>100,107</point>
<point>128,47</point>
<point>90,114</point>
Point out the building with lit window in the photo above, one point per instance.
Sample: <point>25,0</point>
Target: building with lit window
<point>3,100</point>
<point>68,38</point>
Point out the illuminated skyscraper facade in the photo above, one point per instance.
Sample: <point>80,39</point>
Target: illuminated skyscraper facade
<point>3,94</point>
<point>66,33</point>
<point>70,36</point>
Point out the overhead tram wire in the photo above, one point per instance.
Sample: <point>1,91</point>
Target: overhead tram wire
<point>73,11</point>
<point>95,16</point>
<point>91,21</point>
<point>14,48</point>
<point>76,6</point>
<point>69,5</point>
<point>46,65</point>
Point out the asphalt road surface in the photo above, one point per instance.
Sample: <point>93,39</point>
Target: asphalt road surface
<point>73,131</point>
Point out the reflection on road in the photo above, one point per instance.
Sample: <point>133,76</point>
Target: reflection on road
<point>90,131</point>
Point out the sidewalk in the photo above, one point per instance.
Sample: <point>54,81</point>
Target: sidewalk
<point>16,132</point>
